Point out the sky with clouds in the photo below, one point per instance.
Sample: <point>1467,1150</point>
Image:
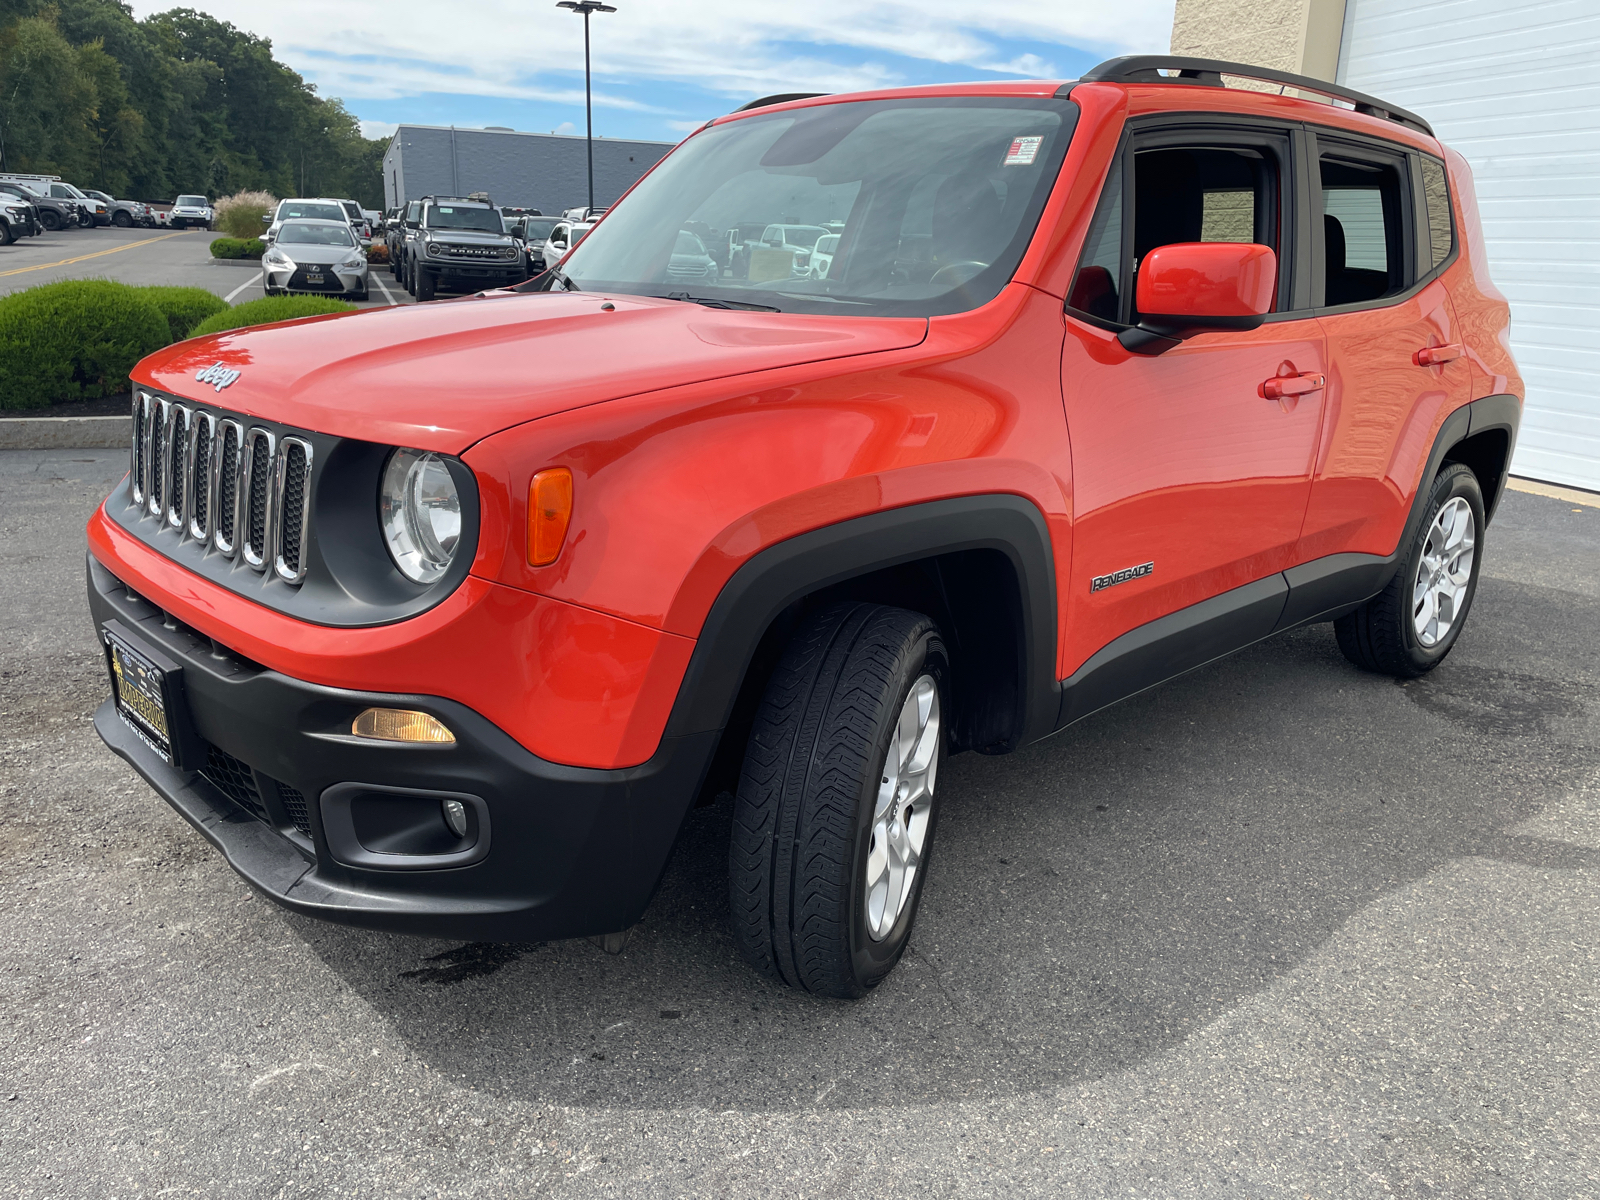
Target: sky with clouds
<point>662,67</point>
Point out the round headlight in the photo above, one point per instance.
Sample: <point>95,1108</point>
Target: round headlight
<point>420,509</point>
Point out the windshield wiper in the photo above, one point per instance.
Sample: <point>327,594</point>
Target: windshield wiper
<point>709,302</point>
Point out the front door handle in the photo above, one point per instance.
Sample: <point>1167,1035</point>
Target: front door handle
<point>1436,356</point>
<point>1283,386</point>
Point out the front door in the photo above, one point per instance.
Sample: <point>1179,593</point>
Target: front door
<point>1188,482</point>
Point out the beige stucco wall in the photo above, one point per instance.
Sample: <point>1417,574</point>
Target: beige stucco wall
<point>1290,35</point>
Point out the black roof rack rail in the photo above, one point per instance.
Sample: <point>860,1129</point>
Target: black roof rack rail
<point>780,98</point>
<point>1208,72</point>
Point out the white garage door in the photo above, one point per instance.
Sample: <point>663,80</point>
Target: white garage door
<point>1513,85</point>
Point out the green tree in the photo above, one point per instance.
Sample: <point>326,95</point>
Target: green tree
<point>178,102</point>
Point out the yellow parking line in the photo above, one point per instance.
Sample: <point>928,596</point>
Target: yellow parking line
<point>67,262</point>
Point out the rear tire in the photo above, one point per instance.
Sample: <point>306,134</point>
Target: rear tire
<point>1407,629</point>
<point>836,807</point>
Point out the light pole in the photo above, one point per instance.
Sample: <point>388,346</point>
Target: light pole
<point>586,7</point>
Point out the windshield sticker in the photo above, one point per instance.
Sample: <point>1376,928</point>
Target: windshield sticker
<point>1023,151</point>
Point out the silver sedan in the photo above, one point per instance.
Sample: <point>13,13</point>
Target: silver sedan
<point>319,257</point>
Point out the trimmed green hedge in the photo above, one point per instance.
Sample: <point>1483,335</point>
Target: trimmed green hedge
<point>269,309</point>
<point>74,340</point>
<point>184,307</point>
<point>227,247</point>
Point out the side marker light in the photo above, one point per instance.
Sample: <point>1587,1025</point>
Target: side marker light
<point>549,513</point>
<point>401,725</point>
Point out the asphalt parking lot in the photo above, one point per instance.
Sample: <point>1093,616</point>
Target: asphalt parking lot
<point>150,256</point>
<point>1278,929</point>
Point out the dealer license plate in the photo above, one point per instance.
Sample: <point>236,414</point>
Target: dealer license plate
<point>140,690</point>
<point>313,278</point>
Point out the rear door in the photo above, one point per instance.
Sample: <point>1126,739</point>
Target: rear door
<point>1187,482</point>
<point>1375,266</point>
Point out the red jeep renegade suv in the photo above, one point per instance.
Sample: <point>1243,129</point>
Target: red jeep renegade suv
<point>1100,381</point>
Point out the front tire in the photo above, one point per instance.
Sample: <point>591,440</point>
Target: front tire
<point>1407,629</point>
<point>835,813</point>
<point>427,284</point>
<point>122,220</point>
<point>50,219</point>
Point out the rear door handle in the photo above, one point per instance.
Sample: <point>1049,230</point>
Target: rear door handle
<point>1291,385</point>
<point>1436,356</point>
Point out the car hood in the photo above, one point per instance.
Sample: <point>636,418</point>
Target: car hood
<point>467,237</point>
<point>442,376</point>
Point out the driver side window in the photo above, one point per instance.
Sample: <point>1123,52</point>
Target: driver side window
<point>1175,191</point>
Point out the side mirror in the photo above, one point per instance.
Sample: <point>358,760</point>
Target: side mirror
<point>266,218</point>
<point>1196,287</point>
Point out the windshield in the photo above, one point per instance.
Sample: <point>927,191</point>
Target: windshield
<point>315,235</point>
<point>290,209</point>
<point>17,189</point>
<point>190,202</point>
<point>454,216</point>
<point>539,227</point>
<point>934,201</point>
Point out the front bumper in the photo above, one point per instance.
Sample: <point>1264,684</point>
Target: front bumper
<point>472,276</point>
<point>571,851</point>
<point>340,280</point>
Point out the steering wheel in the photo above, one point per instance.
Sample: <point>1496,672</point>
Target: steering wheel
<point>956,273</point>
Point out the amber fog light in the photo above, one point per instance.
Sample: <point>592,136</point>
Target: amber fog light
<point>402,725</point>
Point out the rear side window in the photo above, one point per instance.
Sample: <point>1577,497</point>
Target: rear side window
<point>1363,229</point>
<point>1436,196</point>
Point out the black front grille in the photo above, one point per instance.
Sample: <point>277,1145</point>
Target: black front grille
<point>202,475</point>
<point>235,780</point>
<point>294,803</point>
<point>141,449</point>
<point>172,490</point>
<point>260,488</point>
<point>294,504</point>
<point>158,447</point>
<point>228,485</point>
<point>300,281</point>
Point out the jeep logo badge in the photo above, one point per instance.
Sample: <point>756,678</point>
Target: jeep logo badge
<point>1100,582</point>
<point>217,375</point>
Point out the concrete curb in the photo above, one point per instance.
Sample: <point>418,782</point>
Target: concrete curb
<point>65,433</point>
<point>253,263</point>
<point>1553,491</point>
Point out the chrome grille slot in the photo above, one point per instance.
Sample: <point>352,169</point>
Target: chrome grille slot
<point>139,457</point>
<point>225,487</point>
<point>156,468</point>
<point>198,482</point>
<point>254,524</point>
<point>291,496</point>
<point>175,472</point>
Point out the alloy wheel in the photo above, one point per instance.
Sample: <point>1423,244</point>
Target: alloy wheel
<point>1443,573</point>
<point>905,803</point>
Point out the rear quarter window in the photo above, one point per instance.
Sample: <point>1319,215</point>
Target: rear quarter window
<point>1436,196</point>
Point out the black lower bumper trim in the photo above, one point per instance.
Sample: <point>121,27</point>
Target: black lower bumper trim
<point>576,851</point>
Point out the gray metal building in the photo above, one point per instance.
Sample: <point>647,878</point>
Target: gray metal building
<point>546,171</point>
